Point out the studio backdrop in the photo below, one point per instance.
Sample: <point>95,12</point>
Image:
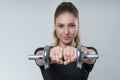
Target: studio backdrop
<point>28,24</point>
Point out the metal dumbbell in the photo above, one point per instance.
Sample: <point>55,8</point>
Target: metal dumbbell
<point>81,57</point>
<point>44,57</point>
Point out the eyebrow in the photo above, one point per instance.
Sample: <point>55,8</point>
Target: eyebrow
<point>68,23</point>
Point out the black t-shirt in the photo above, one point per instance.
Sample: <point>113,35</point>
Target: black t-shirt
<point>66,72</point>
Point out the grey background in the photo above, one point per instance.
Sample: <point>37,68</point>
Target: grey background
<point>28,24</point>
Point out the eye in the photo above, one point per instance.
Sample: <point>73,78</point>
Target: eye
<point>60,25</point>
<point>72,25</point>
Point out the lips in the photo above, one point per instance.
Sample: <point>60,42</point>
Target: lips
<point>66,38</point>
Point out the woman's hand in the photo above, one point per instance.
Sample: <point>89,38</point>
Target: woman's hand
<point>88,51</point>
<point>56,55</point>
<point>69,54</point>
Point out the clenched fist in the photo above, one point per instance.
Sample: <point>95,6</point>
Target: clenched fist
<point>68,54</point>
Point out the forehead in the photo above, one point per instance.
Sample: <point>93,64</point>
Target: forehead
<point>66,17</point>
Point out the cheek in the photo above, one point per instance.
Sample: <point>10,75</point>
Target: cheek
<point>74,32</point>
<point>59,32</point>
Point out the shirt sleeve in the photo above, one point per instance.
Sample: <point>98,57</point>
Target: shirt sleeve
<point>89,67</point>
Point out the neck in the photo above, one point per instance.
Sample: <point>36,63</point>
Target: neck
<point>63,45</point>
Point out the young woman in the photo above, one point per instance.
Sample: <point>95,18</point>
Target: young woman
<point>63,52</point>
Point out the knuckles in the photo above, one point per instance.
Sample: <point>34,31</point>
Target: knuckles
<point>57,54</point>
<point>67,55</point>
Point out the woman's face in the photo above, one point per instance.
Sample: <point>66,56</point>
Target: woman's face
<point>66,27</point>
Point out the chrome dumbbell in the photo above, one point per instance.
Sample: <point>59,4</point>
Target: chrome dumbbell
<point>81,57</point>
<point>44,57</point>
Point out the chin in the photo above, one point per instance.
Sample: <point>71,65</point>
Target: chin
<point>67,42</point>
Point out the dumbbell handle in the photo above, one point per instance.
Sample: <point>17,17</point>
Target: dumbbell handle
<point>84,56</point>
<point>35,57</point>
<point>90,56</point>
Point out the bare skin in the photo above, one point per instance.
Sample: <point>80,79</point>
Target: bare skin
<point>66,27</point>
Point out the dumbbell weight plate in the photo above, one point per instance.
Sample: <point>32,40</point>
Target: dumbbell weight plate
<point>79,61</point>
<point>46,57</point>
<point>81,57</point>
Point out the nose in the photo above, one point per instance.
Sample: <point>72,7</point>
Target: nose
<point>66,31</point>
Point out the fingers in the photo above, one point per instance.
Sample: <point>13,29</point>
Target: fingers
<point>69,54</point>
<point>66,55</point>
<point>91,51</point>
<point>59,55</point>
<point>90,61</point>
<point>52,55</point>
<point>74,54</point>
<point>56,55</point>
<point>84,50</point>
